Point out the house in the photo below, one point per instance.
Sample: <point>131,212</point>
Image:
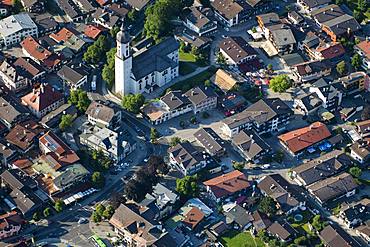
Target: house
<point>136,230</point>
<point>355,214</point>
<point>227,185</point>
<point>74,76</point>
<point>327,93</point>
<point>4,9</point>
<point>14,78</point>
<point>105,18</point>
<point>228,12</point>
<point>36,6</point>
<point>216,230</point>
<point>342,26</point>
<point>266,20</point>
<point>312,70</point>
<point>7,154</point>
<point>116,144</point>
<point>363,127</point>
<point>328,51</point>
<point>298,140</point>
<point>54,148</point>
<point>45,23</point>
<point>310,5</point>
<point>192,218</point>
<point>238,216</point>
<point>250,146</point>
<point>202,98</point>
<point>10,224</point>
<point>93,32</point>
<point>233,103</point>
<point>353,83</point>
<point>363,49</point>
<point>334,236</point>
<point>53,118</point>
<point>69,38</point>
<point>139,5</point>
<point>309,44</point>
<point>282,230</point>
<point>260,221</point>
<point>320,168</point>
<point>211,141</point>
<point>287,198</point>
<point>326,13</point>
<point>145,70</point>
<point>295,17</point>
<point>333,188</point>
<point>15,28</point>
<point>264,116</point>
<point>364,231</point>
<point>24,135</point>
<point>307,103</point>
<point>360,151</point>
<point>200,20</point>
<point>11,112</point>
<point>226,79</point>
<point>103,115</point>
<point>43,99</point>
<point>282,38</point>
<point>73,13</point>
<point>187,159</point>
<point>236,50</point>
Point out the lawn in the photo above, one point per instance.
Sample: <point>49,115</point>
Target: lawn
<point>240,239</point>
<point>187,57</point>
<point>186,68</point>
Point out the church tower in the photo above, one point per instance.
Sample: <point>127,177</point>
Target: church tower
<point>123,63</point>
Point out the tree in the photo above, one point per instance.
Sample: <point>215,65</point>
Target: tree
<point>133,102</point>
<point>99,209</point>
<point>207,83</point>
<point>153,134</point>
<point>80,99</point>
<point>269,67</point>
<point>317,223</point>
<point>263,236</point>
<point>108,69</point>
<point>238,166</point>
<point>17,6</point>
<point>174,141</point>
<point>300,240</point>
<point>254,30</point>
<point>36,216</point>
<point>187,186</point>
<point>362,5</point>
<point>113,32</point>
<point>268,206</point>
<point>194,50</point>
<point>47,212</point>
<point>280,83</point>
<point>66,121</point>
<point>97,179</point>
<point>96,217</point>
<point>355,171</point>
<point>92,55</point>
<point>58,206</point>
<point>220,59</point>
<point>193,120</point>
<point>339,2</point>
<point>132,15</point>
<point>356,61</point>
<point>116,199</point>
<point>365,113</point>
<point>108,212</point>
<point>357,15</point>
<point>341,68</point>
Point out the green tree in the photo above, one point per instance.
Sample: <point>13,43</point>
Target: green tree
<point>133,15</point>
<point>80,99</point>
<point>356,61</point>
<point>92,55</point>
<point>358,15</point>
<point>108,69</point>
<point>341,68</point>
<point>99,209</point>
<point>193,120</point>
<point>269,67</point>
<point>153,134</point>
<point>47,212</point>
<point>238,166</point>
<point>97,179</point>
<point>108,212</point>
<point>183,46</point>
<point>187,186</point>
<point>66,121</point>
<point>280,83</point>
<point>194,50</point>
<point>362,5</point>
<point>268,206</point>
<point>58,206</point>
<point>355,171</point>
<point>17,7</point>
<point>254,30</point>
<point>317,222</point>
<point>220,59</point>
<point>207,83</point>
<point>36,216</point>
<point>133,102</point>
<point>174,141</point>
<point>96,217</point>
<point>113,32</point>
<point>263,236</point>
<point>300,240</point>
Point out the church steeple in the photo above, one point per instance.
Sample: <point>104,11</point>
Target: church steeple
<point>123,43</point>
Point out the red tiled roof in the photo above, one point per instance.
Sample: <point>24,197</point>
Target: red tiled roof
<point>193,217</point>
<point>102,2</point>
<point>93,31</point>
<point>364,46</point>
<point>35,49</point>
<point>22,163</point>
<point>63,35</point>
<point>332,51</point>
<point>302,138</point>
<point>228,183</point>
<point>41,97</point>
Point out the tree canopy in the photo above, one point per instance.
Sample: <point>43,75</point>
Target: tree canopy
<point>268,206</point>
<point>355,171</point>
<point>59,205</point>
<point>341,68</point>
<point>187,186</point>
<point>356,61</point>
<point>280,83</point>
<point>97,179</point>
<point>108,69</point>
<point>66,121</point>
<point>96,51</point>
<point>80,99</point>
<point>133,102</point>
<point>174,141</point>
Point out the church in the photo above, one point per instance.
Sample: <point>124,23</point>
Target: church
<point>146,69</point>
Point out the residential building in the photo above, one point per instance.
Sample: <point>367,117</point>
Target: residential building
<point>200,20</point>
<point>103,115</point>
<point>139,5</point>
<point>187,159</point>
<point>327,51</point>
<point>250,146</point>
<point>53,118</point>
<point>104,18</point>
<point>45,23</point>
<point>43,99</point>
<point>10,224</point>
<point>226,79</point>
<point>93,32</point>
<point>363,231</point>
<point>353,83</point>
<point>71,10</point>
<point>233,103</point>
<point>4,9</point>
<point>236,50</point>
<point>312,70</point>
<point>295,17</point>
<point>282,230</point>
<point>302,139</point>
<point>330,96</point>
<point>307,103</point>
<point>320,168</point>
<point>15,28</point>
<point>363,48</point>
<point>286,197</point>
<point>310,5</point>
<point>24,135</point>
<point>334,236</point>
<point>201,98</point>
<point>228,12</point>
<point>264,116</point>
<point>211,141</point>
<point>227,185</point>
<point>74,76</point>
<point>363,127</point>
<point>333,188</point>
<point>260,221</point>
<point>11,112</point>
<point>69,38</point>
<point>342,26</point>
<point>282,38</point>
<point>193,218</point>
<point>238,217</point>
<point>36,6</point>
<point>355,214</point>
<point>360,151</point>
<point>145,70</point>
<point>266,20</point>
<point>7,155</point>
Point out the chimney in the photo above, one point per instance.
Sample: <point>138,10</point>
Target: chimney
<point>42,88</point>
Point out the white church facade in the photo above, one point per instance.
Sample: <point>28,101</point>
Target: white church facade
<point>146,69</point>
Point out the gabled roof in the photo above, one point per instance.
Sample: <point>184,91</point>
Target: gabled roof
<point>209,140</point>
<point>175,100</point>
<point>199,94</point>
<point>200,16</point>
<point>364,46</point>
<point>15,23</point>
<point>193,217</point>
<point>35,49</point>
<point>227,8</point>
<point>185,154</point>
<point>342,24</point>
<point>283,230</point>
<point>315,3</point>
<point>334,236</point>
<point>250,143</point>
<point>237,48</point>
<point>42,97</point>
<point>100,111</point>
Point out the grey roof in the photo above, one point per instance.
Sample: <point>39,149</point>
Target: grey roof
<point>123,36</point>
<point>52,118</point>
<point>10,111</point>
<point>334,236</point>
<point>100,111</point>
<point>328,90</point>
<point>311,40</point>
<point>209,140</point>
<point>175,100</point>
<point>73,173</point>
<point>237,48</point>
<point>283,230</point>
<point>310,100</point>
<point>332,187</point>
<point>292,59</point>
<point>72,75</point>
<point>325,166</point>
<point>106,17</point>
<point>361,149</point>
<point>327,13</point>
<point>358,210</point>
<point>154,58</point>
<point>269,18</point>
<point>71,10</point>
<point>162,195</point>
<point>138,4</point>
<point>185,154</point>
<point>44,21</point>
<point>199,94</point>
<point>250,143</point>
<point>238,215</point>
<point>200,16</point>
<point>16,23</point>
<point>315,3</point>
<point>283,36</point>
<point>342,24</point>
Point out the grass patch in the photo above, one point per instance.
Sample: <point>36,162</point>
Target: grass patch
<point>186,68</point>
<point>240,239</point>
<point>187,57</point>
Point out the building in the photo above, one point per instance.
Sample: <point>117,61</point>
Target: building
<point>104,18</point>
<point>103,115</point>
<point>282,38</point>
<point>202,99</point>
<point>52,119</point>
<point>363,49</point>
<point>36,6</point>
<point>43,99</point>
<point>226,80</point>
<point>333,188</point>
<point>302,139</point>
<point>14,78</point>
<point>250,146</point>
<point>360,151</point>
<point>334,236</point>
<point>187,159</point>
<point>310,5</point>
<point>264,116</point>
<point>353,83</point>
<point>15,28</point>
<point>10,224</point>
<point>295,17</point>
<point>24,135</point>
<point>200,20</point>
<point>236,50</point>
<point>342,26</point>
<point>71,10</point>
<point>227,184</point>
<point>11,112</point>
<point>329,51</point>
<point>211,141</point>
<point>260,221</point>
<point>307,103</point>
<point>355,214</point>
<point>69,38</point>
<point>146,70</point>
<point>139,5</point>
<point>286,197</point>
<point>320,168</point>
<point>74,76</point>
<point>312,70</point>
<point>330,96</point>
<point>364,231</point>
<point>282,230</point>
<point>266,20</point>
<point>238,217</point>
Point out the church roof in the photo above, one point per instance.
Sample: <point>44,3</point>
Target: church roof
<point>155,58</point>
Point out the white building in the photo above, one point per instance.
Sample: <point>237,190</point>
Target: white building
<point>146,69</point>
<point>16,27</point>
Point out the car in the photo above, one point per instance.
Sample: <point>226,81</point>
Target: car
<point>267,166</point>
<point>224,36</point>
<point>82,220</point>
<point>146,160</point>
